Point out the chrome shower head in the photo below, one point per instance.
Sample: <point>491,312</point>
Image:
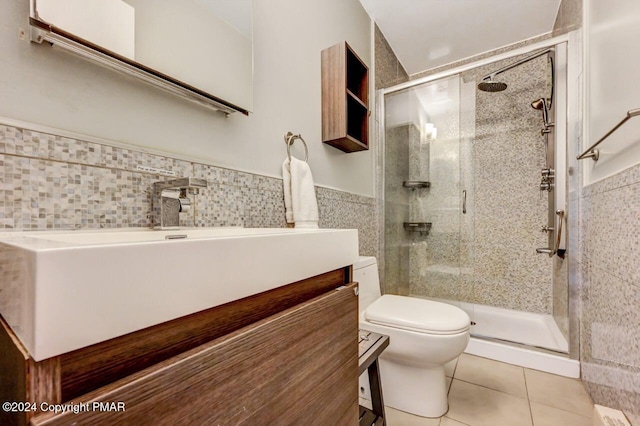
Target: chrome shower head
<point>488,85</point>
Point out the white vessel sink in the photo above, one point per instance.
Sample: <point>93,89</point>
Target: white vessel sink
<point>61,291</point>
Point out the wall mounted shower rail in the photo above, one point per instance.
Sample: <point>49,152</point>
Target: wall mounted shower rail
<point>592,152</point>
<point>515,64</point>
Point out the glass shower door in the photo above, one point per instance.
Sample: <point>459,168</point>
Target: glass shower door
<point>428,189</point>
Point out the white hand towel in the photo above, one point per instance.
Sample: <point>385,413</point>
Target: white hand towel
<point>301,206</point>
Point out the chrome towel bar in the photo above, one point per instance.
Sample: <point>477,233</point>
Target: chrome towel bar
<point>593,153</point>
<point>289,139</point>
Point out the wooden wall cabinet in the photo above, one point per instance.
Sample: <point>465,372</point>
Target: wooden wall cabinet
<point>345,99</point>
<point>286,356</point>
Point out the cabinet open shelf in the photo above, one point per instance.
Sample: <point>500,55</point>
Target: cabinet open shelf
<point>345,99</point>
<point>357,123</point>
<point>357,76</point>
<point>352,95</point>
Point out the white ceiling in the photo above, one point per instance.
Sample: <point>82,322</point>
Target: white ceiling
<point>428,33</point>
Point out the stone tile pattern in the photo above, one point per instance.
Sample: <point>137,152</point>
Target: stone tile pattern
<point>50,182</point>
<point>609,273</point>
<point>509,153</point>
<point>569,17</point>
<point>389,71</point>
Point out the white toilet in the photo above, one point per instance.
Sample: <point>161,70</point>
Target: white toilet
<point>423,336</point>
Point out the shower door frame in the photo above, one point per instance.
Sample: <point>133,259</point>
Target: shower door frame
<point>560,133</point>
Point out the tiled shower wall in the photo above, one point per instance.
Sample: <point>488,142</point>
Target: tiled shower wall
<point>609,274</point>
<point>509,210</point>
<point>51,182</point>
<point>569,17</point>
<point>389,70</point>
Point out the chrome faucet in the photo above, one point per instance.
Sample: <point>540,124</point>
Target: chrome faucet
<point>169,199</point>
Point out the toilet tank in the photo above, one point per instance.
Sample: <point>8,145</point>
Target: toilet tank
<point>365,273</point>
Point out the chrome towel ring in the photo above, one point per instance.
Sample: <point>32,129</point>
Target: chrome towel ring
<point>289,139</point>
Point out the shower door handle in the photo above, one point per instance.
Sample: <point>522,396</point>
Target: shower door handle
<point>464,201</point>
<point>560,214</point>
<point>556,247</point>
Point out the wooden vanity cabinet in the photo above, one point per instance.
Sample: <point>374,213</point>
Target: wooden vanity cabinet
<point>287,356</point>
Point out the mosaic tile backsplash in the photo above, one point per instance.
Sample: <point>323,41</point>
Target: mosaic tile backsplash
<point>51,182</point>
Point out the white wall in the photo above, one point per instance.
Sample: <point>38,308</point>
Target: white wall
<point>612,30</point>
<point>52,88</point>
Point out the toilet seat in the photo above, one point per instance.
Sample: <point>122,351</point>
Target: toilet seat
<point>418,315</point>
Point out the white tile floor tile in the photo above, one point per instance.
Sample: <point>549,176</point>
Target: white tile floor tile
<point>450,367</point>
<point>486,392</point>
<point>559,392</point>
<point>544,415</point>
<point>446,421</point>
<point>479,406</point>
<point>400,418</point>
<point>491,374</point>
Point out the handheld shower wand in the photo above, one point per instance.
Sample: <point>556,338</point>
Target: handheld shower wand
<point>541,104</point>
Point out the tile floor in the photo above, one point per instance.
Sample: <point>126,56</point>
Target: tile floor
<point>486,392</point>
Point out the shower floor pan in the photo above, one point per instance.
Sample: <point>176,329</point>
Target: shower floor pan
<point>519,338</point>
<point>531,329</point>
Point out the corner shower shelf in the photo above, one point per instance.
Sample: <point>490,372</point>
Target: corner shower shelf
<point>417,226</point>
<point>415,184</point>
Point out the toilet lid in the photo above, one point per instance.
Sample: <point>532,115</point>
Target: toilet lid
<point>424,316</point>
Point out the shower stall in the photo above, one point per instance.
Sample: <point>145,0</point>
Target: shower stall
<point>473,187</point>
